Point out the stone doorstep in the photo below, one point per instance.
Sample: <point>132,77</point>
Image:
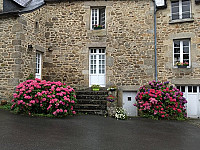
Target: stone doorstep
<point>94,112</point>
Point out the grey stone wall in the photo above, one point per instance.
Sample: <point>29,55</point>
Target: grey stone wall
<point>128,39</point>
<point>16,60</point>
<point>61,31</point>
<point>167,31</point>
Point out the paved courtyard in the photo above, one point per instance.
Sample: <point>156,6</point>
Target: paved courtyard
<point>87,132</point>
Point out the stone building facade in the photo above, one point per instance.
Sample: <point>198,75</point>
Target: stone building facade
<point>60,31</point>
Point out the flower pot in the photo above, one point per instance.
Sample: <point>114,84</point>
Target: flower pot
<point>95,89</point>
<point>97,28</point>
<point>182,66</point>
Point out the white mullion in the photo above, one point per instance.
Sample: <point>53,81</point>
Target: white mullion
<point>181,51</point>
<point>180,9</point>
<point>98,17</point>
<point>97,63</point>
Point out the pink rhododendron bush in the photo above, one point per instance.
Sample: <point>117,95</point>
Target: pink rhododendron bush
<point>44,97</point>
<point>160,101</point>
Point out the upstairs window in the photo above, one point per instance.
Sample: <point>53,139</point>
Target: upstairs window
<point>181,52</point>
<point>181,9</point>
<point>97,18</point>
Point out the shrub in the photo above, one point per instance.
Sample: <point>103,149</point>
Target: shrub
<point>161,101</point>
<point>44,97</point>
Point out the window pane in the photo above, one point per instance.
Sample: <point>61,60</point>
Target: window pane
<point>178,87</point>
<point>177,57</point>
<point>185,2</point>
<point>176,43</point>
<point>175,3</point>
<point>176,50</point>
<point>175,16</point>
<point>185,49</point>
<point>185,15</point>
<point>194,89</point>
<point>189,88</point>
<point>182,88</point>
<point>175,10</point>
<point>185,56</point>
<point>185,42</point>
<point>186,8</point>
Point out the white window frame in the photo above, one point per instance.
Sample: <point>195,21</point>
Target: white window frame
<point>38,72</point>
<point>98,17</point>
<point>180,10</point>
<point>181,52</point>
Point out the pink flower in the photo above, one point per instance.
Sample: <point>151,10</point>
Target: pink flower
<point>61,110</point>
<point>57,110</point>
<point>162,116</point>
<point>153,100</point>
<point>32,102</point>
<point>179,111</point>
<point>65,111</point>
<point>54,113</point>
<point>74,112</point>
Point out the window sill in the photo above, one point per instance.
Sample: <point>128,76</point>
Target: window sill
<point>99,32</point>
<point>176,67</point>
<point>181,20</point>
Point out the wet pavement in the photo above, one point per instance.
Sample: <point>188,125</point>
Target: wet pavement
<point>87,132</point>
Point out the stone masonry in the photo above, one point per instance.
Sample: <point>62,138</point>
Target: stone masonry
<point>1,6</point>
<point>61,31</point>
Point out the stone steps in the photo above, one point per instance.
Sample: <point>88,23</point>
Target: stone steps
<point>91,102</point>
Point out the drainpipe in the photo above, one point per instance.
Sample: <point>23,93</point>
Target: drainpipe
<point>155,42</point>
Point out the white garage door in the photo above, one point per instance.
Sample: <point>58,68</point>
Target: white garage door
<point>191,93</point>
<point>128,101</point>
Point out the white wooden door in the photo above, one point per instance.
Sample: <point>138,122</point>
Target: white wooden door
<point>97,67</point>
<point>193,100</point>
<point>38,65</point>
<point>191,93</point>
<point>128,101</point>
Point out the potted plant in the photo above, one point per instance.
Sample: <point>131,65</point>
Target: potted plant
<point>182,64</point>
<point>111,98</point>
<point>112,88</point>
<point>95,87</point>
<point>97,27</point>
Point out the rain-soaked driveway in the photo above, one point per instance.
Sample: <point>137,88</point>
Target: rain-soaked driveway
<point>86,132</point>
